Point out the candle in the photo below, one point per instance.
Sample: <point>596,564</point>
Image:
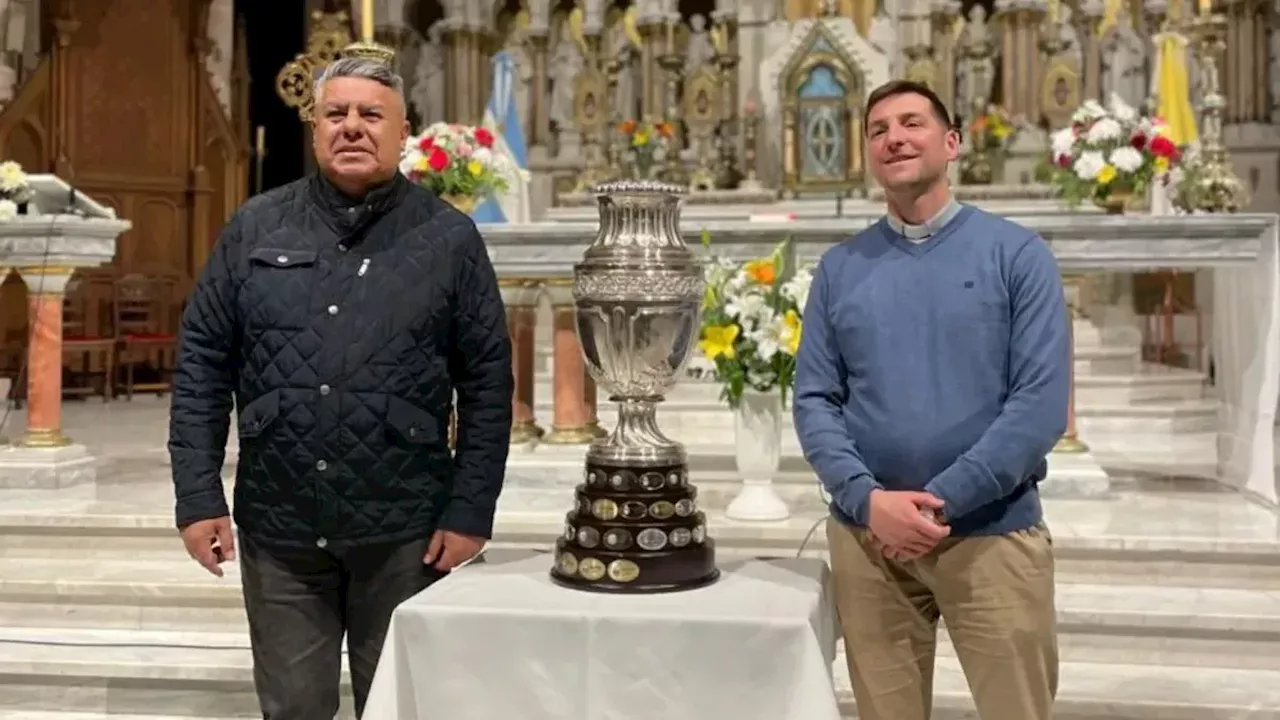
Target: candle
<point>366,21</point>
<point>1206,6</point>
<point>260,142</point>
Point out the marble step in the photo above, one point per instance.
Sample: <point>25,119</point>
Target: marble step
<point>59,715</point>
<point>186,674</point>
<point>1099,622</point>
<point>1106,691</point>
<point>1144,543</point>
<point>209,675</point>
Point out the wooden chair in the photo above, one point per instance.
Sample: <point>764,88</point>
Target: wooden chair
<point>146,331</point>
<point>88,337</point>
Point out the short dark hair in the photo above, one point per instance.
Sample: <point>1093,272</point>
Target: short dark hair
<point>894,88</point>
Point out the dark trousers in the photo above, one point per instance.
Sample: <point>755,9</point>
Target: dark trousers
<point>301,602</point>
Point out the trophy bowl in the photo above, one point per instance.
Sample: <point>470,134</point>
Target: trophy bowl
<point>638,291</point>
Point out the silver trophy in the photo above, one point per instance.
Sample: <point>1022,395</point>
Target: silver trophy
<point>636,527</point>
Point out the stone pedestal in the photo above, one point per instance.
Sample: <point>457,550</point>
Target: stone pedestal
<point>64,231</point>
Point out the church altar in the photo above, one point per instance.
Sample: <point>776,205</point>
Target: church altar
<point>1240,250</point>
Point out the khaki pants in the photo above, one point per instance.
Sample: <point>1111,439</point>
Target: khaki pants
<point>996,595</point>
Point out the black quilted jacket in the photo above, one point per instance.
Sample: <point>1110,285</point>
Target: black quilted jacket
<point>342,330</point>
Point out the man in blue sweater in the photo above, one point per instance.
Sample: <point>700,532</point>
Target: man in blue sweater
<point>931,383</point>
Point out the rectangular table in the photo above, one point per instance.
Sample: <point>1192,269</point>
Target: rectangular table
<point>499,641</point>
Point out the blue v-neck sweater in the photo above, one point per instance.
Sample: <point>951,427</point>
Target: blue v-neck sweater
<point>942,365</point>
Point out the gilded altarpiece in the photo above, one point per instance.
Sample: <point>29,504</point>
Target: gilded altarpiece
<point>822,144</point>
<point>135,125</point>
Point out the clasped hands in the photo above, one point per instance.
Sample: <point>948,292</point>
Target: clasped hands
<point>904,525</point>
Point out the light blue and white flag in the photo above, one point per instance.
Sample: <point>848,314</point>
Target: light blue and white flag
<point>502,118</point>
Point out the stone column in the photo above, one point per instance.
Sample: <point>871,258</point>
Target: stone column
<point>593,408</point>
<point>46,288</point>
<point>1073,288</point>
<point>571,417</point>
<point>521,298</point>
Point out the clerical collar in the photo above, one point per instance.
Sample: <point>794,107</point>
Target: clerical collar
<point>931,226</point>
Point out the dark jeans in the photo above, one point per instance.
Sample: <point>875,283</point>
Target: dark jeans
<point>300,602</point>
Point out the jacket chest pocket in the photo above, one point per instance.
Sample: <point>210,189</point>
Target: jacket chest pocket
<point>279,288</point>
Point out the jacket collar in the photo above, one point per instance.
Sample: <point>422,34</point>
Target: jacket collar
<point>348,215</point>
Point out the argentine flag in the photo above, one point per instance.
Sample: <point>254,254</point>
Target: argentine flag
<point>502,118</point>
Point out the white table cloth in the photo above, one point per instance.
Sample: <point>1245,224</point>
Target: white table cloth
<point>500,641</point>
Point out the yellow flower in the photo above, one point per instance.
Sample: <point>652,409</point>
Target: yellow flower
<point>1162,164</point>
<point>640,139</point>
<point>422,165</point>
<point>475,168</point>
<point>717,341</point>
<point>761,272</point>
<point>1106,175</point>
<point>1001,130</point>
<point>791,328</point>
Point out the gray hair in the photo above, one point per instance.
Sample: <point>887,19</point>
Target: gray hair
<point>360,67</point>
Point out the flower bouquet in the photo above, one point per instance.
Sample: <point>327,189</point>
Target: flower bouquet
<point>1110,156</point>
<point>646,147</point>
<point>14,189</point>
<point>458,163</point>
<point>989,136</point>
<point>751,323</point>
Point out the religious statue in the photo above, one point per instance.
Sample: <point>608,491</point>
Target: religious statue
<point>1275,70</point>
<point>517,48</point>
<point>1124,62</point>
<point>700,50</point>
<point>978,72</point>
<point>624,51</point>
<point>427,93</point>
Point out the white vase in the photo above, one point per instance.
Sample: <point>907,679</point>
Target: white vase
<point>757,430</point>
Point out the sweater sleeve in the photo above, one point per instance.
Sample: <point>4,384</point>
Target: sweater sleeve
<point>1034,415</point>
<point>820,396</point>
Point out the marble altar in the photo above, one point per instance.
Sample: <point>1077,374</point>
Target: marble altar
<point>63,230</point>
<point>1239,249</point>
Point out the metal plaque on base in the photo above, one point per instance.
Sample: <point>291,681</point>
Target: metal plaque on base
<point>636,527</point>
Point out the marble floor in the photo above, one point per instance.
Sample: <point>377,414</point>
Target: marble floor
<point>1168,599</point>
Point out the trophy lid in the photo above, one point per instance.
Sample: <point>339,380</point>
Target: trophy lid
<point>639,225</point>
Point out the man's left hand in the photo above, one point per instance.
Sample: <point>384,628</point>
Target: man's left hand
<point>447,549</point>
<point>903,554</point>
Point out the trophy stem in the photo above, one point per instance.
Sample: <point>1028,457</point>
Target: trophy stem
<point>637,441</point>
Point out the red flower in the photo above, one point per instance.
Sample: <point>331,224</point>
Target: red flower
<point>1163,146</point>
<point>426,143</point>
<point>438,159</point>
<point>1138,140</point>
<point>484,137</point>
<point>1064,161</point>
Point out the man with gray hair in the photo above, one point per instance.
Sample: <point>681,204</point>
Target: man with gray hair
<point>341,313</point>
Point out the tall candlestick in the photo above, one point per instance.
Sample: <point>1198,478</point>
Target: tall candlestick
<point>366,21</point>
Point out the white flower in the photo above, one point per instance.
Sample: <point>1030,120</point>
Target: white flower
<point>797,288</point>
<point>12,178</point>
<point>1090,110</point>
<point>1104,130</point>
<point>1089,164</point>
<point>746,307</point>
<point>767,338</point>
<point>1121,110</point>
<point>1064,142</point>
<point>1126,159</point>
<point>8,210</point>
